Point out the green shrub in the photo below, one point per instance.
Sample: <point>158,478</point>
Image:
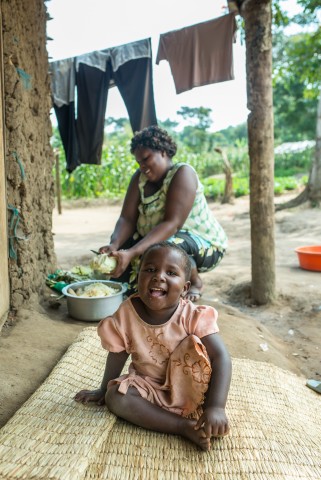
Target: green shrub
<point>108,180</point>
<point>241,186</point>
<point>214,187</point>
<point>111,178</point>
<point>285,183</point>
<point>205,164</point>
<point>289,164</point>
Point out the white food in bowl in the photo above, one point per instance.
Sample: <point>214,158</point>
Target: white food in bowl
<point>93,309</point>
<point>94,290</point>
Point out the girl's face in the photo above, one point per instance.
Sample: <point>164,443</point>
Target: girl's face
<point>153,164</point>
<point>161,279</point>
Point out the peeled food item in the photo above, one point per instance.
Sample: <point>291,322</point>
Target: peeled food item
<point>81,270</point>
<point>94,290</point>
<point>103,263</point>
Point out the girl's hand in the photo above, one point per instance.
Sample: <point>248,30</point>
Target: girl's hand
<point>85,396</point>
<point>214,422</point>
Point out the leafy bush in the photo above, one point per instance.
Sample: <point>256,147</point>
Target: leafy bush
<point>205,164</point>
<point>282,184</point>
<point>111,178</point>
<point>292,163</point>
<point>241,187</point>
<point>214,187</point>
<point>108,180</point>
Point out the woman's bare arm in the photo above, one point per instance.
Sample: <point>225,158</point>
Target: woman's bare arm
<point>179,202</point>
<point>127,221</point>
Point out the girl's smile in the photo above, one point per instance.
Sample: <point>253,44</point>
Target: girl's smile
<point>161,280</point>
<point>157,292</point>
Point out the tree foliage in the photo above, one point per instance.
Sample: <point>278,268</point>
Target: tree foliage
<point>303,54</point>
<point>296,73</point>
<point>294,109</point>
<point>195,135</point>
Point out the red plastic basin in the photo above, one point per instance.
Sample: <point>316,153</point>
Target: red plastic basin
<point>310,257</point>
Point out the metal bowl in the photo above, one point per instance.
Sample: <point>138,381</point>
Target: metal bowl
<point>93,309</point>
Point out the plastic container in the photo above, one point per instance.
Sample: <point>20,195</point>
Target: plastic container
<point>310,257</point>
<point>93,309</point>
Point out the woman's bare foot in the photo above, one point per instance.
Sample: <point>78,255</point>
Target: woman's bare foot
<point>196,436</point>
<point>195,291</point>
<point>193,295</point>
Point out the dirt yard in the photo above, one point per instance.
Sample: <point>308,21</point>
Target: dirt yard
<point>286,333</point>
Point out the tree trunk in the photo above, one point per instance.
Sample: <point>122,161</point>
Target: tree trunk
<point>228,196</point>
<point>314,182</point>
<point>257,16</point>
<point>312,191</point>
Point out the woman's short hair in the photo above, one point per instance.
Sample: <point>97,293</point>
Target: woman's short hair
<point>156,139</point>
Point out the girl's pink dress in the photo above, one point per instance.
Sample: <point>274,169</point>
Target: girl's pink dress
<point>170,366</point>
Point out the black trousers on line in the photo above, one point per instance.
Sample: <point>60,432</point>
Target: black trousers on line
<point>83,137</point>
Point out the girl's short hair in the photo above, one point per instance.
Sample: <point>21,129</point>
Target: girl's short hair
<point>156,139</point>
<point>186,261</point>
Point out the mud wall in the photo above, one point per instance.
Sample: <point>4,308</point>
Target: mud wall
<point>28,158</point>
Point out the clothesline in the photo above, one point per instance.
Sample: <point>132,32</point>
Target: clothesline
<point>198,55</point>
<point>232,8</point>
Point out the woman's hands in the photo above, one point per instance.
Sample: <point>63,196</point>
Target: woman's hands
<point>86,396</point>
<point>107,248</point>
<point>214,422</point>
<point>123,258</point>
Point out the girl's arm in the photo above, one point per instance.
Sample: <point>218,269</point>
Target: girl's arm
<point>214,420</point>
<point>114,364</point>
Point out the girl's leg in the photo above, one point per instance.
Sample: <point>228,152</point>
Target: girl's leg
<point>139,411</point>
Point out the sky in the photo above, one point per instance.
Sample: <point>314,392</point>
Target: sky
<point>79,26</point>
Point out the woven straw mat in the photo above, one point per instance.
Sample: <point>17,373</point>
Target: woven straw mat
<point>274,417</point>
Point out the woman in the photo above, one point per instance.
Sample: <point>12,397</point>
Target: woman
<point>164,201</point>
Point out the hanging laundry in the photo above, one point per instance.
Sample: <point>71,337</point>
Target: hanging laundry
<point>200,54</point>
<point>63,82</point>
<point>129,67</point>
<point>234,6</point>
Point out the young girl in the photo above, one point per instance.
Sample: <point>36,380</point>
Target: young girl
<point>180,373</point>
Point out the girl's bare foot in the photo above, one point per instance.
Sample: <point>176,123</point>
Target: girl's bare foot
<point>196,436</point>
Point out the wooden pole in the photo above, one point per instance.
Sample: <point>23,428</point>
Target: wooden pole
<point>257,17</point>
<point>228,196</point>
<point>58,186</point>
<point>4,270</point>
